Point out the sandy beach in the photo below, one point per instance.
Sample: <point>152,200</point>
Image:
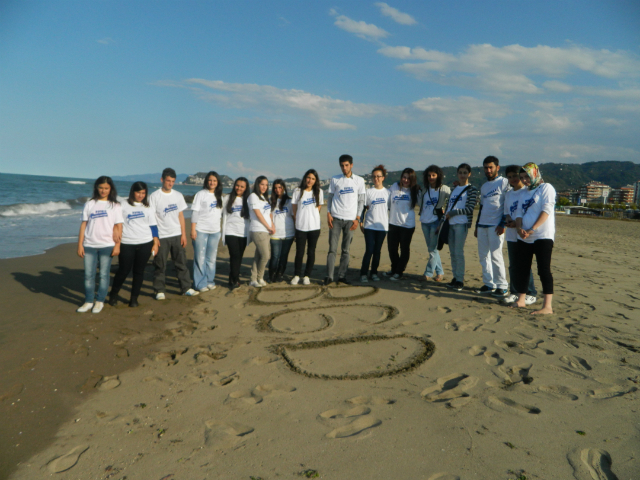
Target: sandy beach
<point>388,380</point>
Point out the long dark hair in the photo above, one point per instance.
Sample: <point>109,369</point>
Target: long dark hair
<point>413,185</point>
<point>137,187</point>
<point>274,198</point>
<point>316,186</point>
<point>218,190</point>
<point>232,198</point>
<point>256,186</point>
<point>113,194</point>
<point>433,169</point>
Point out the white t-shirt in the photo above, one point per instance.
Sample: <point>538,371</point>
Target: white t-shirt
<point>511,203</point>
<point>345,190</point>
<point>167,207</point>
<point>283,220</point>
<point>235,224</point>
<point>256,203</point>
<point>429,202</point>
<point>377,216</point>
<point>458,201</point>
<point>492,200</point>
<point>542,199</point>
<point>401,214</point>
<point>137,222</point>
<point>100,216</point>
<point>209,215</point>
<point>307,214</point>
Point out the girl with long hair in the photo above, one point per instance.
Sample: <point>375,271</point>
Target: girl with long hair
<point>374,223</point>
<point>261,229</point>
<point>307,201</point>
<point>139,241</point>
<point>282,239</point>
<point>434,200</point>
<point>205,231</point>
<point>235,227</point>
<point>99,241</point>
<point>404,196</point>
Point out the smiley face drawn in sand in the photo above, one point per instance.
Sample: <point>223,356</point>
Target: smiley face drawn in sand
<point>296,294</point>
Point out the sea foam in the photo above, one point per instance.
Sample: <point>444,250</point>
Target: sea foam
<point>22,209</point>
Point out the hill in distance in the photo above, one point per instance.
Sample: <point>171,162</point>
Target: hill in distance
<point>148,177</point>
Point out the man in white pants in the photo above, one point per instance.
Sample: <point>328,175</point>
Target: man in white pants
<point>490,230</point>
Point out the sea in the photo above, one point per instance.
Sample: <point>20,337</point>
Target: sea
<point>39,212</point>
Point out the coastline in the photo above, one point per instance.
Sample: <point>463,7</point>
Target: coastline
<point>203,368</point>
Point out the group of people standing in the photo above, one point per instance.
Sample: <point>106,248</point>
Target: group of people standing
<point>521,205</point>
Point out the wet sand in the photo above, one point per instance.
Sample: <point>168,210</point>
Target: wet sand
<point>384,380</point>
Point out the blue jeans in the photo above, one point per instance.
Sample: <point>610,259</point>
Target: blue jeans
<point>457,237</point>
<point>205,251</point>
<point>91,257</point>
<point>434,265</point>
<point>279,254</point>
<point>513,259</point>
<point>373,240</point>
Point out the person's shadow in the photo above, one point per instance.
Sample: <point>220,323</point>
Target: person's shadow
<point>63,283</point>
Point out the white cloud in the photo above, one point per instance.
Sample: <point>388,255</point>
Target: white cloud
<point>368,31</point>
<point>556,86</point>
<point>395,14</point>
<point>239,169</point>
<point>106,41</point>
<point>554,123</point>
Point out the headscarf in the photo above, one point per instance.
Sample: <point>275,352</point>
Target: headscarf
<point>534,175</point>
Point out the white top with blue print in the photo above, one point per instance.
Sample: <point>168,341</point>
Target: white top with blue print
<point>256,203</point>
<point>511,203</point>
<point>137,223</point>
<point>167,207</point>
<point>283,220</point>
<point>402,214</point>
<point>345,191</point>
<point>307,214</point>
<point>100,216</point>
<point>492,201</point>
<point>429,202</point>
<point>377,216</point>
<point>534,202</point>
<point>209,215</point>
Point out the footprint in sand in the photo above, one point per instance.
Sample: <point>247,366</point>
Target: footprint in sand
<point>492,320</point>
<point>470,327</point>
<point>342,413</point>
<point>443,476</point>
<point>559,391</point>
<point>264,360</point>
<point>477,350</point>
<point>274,389</point>
<point>503,404</point>
<point>224,378</point>
<point>451,387</point>
<point>451,326</point>
<point>354,428</point>
<point>492,358</point>
<point>566,371</point>
<point>516,373</point>
<point>363,400</point>
<point>225,434</point>
<point>575,362</point>
<point>245,396</point>
<point>68,460</point>
<point>612,391</point>
<point>109,383</point>
<point>591,464</point>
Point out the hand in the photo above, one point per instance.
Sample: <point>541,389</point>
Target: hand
<point>355,225</point>
<point>194,234</point>
<point>117,235</point>
<point>362,227</point>
<point>475,232</point>
<point>183,240</point>
<point>272,230</point>
<point>499,230</point>
<point>155,248</point>
<point>510,224</point>
<point>81,251</point>
<point>116,250</point>
<point>522,234</point>
<point>329,220</point>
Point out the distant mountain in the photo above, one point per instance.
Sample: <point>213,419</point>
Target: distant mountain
<point>293,179</point>
<point>148,177</point>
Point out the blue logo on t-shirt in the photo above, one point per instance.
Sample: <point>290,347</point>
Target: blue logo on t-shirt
<point>378,201</point>
<point>214,204</point>
<point>402,198</point>
<point>432,201</point>
<point>98,214</point>
<point>236,208</point>
<point>135,215</point>
<point>171,208</point>
<point>513,208</point>
<point>454,200</point>
<point>282,211</point>
<point>346,190</point>
<point>266,207</point>
<point>493,193</point>
<point>308,201</point>
<point>526,204</point>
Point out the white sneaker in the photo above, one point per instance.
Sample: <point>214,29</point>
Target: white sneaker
<point>388,274</point>
<point>395,277</point>
<point>85,308</point>
<point>191,293</point>
<point>295,280</point>
<point>205,289</point>
<point>375,278</point>
<point>211,286</point>
<point>263,282</point>
<point>530,300</point>
<point>97,307</point>
<point>160,296</point>
<point>306,281</point>
<point>364,279</point>
<point>510,298</point>
<point>254,283</point>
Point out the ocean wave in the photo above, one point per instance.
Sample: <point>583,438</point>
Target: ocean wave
<point>22,209</point>
<point>76,182</point>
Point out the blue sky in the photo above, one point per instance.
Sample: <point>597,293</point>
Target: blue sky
<point>276,87</point>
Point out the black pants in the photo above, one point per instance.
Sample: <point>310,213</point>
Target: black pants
<point>171,245</point>
<point>399,237</point>
<point>524,257</point>
<point>303,239</point>
<point>131,257</point>
<point>236,246</point>
<point>373,240</point>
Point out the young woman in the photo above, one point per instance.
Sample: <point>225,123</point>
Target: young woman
<point>139,241</point>
<point>375,224</point>
<point>307,201</point>
<point>460,215</point>
<point>99,240</point>
<point>205,232</point>
<point>535,224</point>
<point>261,229</point>
<point>282,239</point>
<point>404,196</point>
<point>434,202</point>
<point>235,227</point>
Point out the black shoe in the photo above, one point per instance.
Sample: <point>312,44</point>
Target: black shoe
<point>451,283</point>
<point>113,300</point>
<point>458,286</point>
<point>133,302</point>
<point>327,281</point>
<point>344,280</point>
<point>485,290</point>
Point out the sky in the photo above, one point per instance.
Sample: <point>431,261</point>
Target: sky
<point>110,87</point>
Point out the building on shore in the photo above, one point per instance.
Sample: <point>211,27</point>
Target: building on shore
<point>636,192</point>
<point>571,195</point>
<point>622,195</point>
<point>594,192</point>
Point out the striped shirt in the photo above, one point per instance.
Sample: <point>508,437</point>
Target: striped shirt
<point>454,206</point>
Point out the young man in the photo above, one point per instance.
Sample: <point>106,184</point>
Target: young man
<point>511,202</point>
<point>344,204</point>
<point>168,206</point>
<point>490,229</point>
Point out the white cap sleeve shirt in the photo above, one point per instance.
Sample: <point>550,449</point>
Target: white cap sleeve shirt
<point>256,203</point>
<point>511,203</point>
<point>234,223</point>
<point>307,214</point>
<point>100,216</point>
<point>429,202</point>
<point>542,199</point>
<point>283,220</point>
<point>401,212</point>
<point>377,216</point>
<point>138,220</point>
<point>345,191</point>
<point>492,200</point>
<point>209,215</point>
<point>167,207</point>
<point>457,201</point>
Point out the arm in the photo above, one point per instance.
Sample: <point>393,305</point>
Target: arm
<point>472,195</point>
<point>329,216</point>
<point>83,227</point>
<point>183,233</point>
<point>358,209</point>
<point>194,223</point>
<point>117,233</point>
<point>362,217</point>
<point>261,219</point>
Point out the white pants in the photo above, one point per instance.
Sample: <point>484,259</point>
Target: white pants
<point>490,253</point>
